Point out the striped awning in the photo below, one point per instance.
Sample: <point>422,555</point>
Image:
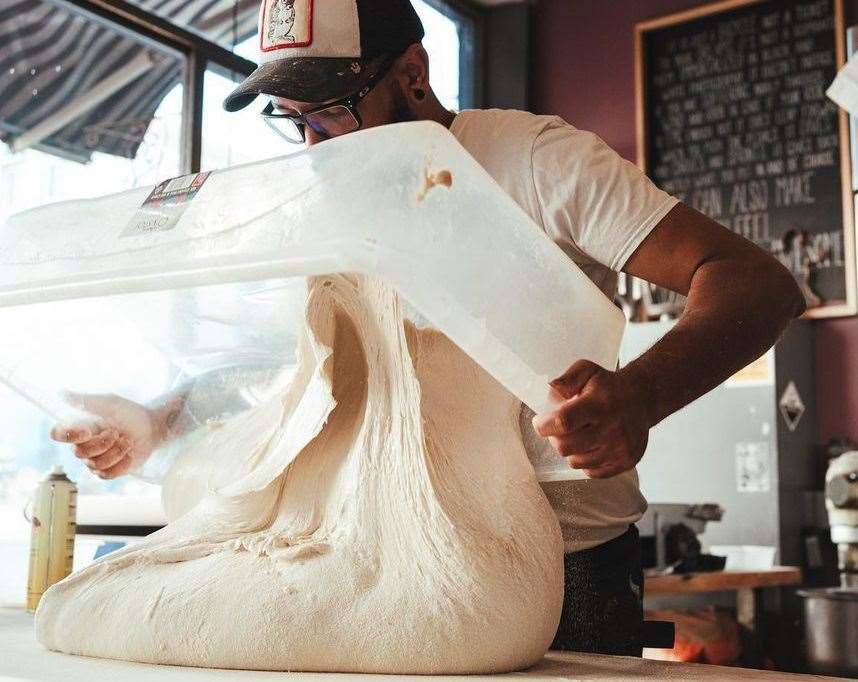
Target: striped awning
<point>70,85</point>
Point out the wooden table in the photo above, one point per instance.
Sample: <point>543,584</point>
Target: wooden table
<point>24,659</point>
<point>746,585</point>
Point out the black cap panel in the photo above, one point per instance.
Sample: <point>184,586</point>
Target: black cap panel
<point>304,79</point>
<point>387,26</point>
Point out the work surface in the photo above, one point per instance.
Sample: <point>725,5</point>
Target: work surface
<point>23,659</point>
<point>717,581</point>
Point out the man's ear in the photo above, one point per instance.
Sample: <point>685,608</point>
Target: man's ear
<point>414,66</point>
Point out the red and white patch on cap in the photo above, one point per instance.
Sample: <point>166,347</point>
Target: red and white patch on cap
<point>285,23</point>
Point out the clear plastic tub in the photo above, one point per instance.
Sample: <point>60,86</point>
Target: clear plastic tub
<point>417,211</point>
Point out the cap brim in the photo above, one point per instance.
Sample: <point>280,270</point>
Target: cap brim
<point>303,79</point>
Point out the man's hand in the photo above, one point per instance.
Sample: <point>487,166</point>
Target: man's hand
<point>120,436</point>
<point>740,300</point>
<point>602,425</point>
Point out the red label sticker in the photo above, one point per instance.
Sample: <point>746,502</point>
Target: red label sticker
<point>285,24</point>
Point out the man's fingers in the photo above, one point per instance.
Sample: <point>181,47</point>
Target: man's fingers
<point>71,433</point>
<point>575,378</point>
<point>588,460</point>
<point>78,431</point>
<point>579,441</point>
<point>579,457</point>
<point>123,466</point>
<point>571,416</point>
<point>607,471</point>
<point>96,445</point>
<point>110,457</point>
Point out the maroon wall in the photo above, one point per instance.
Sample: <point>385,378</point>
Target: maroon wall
<point>583,57</point>
<point>583,70</point>
<point>837,378</point>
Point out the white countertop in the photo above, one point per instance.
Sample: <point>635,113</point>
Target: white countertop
<point>21,658</point>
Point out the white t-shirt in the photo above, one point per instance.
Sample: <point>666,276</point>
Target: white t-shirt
<point>598,208</point>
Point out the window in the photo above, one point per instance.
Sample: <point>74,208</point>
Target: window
<point>33,177</point>
<point>230,138</point>
<point>90,114</point>
<point>442,43</point>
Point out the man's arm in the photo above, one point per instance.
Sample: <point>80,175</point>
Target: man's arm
<point>740,300</point>
<point>165,411</point>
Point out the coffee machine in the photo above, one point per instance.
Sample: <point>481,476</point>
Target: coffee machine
<point>841,502</point>
<point>831,613</point>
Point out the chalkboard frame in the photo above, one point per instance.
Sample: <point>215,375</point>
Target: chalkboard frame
<point>839,309</point>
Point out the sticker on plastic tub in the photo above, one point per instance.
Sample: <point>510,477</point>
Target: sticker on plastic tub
<point>165,205</point>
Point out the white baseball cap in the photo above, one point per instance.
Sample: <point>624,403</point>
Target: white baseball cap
<point>317,51</point>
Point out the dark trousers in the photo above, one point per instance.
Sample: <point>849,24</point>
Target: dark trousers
<point>603,600</point>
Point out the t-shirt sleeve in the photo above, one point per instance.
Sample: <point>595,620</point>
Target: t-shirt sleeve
<point>592,197</point>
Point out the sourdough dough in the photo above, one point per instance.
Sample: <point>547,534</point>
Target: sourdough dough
<point>377,515</point>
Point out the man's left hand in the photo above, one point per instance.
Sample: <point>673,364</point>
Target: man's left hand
<point>601,425</point>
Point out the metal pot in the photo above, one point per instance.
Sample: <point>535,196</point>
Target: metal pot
<point>831,630</point>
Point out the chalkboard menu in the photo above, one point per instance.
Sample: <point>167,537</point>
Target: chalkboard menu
<point>734,121</point>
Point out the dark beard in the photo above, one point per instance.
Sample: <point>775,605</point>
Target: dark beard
<point>400,111</point>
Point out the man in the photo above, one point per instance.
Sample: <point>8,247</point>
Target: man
<point>331,68</point>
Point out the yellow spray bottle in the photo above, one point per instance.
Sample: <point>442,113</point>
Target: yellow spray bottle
<point>53,530</point>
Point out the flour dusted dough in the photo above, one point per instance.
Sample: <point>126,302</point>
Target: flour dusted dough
<point>378,515</point>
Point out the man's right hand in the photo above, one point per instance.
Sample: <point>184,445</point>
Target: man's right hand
<point>118,438</point>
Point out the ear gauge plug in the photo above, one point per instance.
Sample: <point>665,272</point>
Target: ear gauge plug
<point>420,94</point>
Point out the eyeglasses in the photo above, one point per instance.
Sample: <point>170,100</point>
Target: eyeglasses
<point>332,119</point>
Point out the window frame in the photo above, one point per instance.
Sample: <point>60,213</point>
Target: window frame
<point>201,54</point>
<point>198,53</point>
<point>471,22</point>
